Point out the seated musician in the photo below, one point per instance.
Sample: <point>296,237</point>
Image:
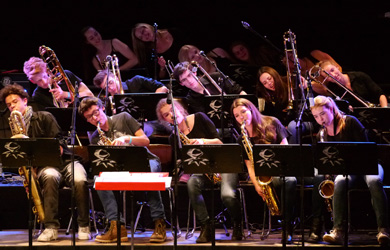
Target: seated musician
<point>42,124</point>
<point>199,129</point>
<point>122,129</point>
<point>337,126</point>
<point>262,129</point>
<point>137,84</point>
<point>358,82</point>
<point>36,71</point>
<point>198,89</point>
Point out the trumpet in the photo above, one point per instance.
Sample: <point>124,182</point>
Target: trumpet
<point>315,73</point>
<point>57,74</point>
<point>195,64</point>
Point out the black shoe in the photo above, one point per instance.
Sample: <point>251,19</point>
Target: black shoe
<point>316,230</point>
<point>205,233</point>
<point>237,231</point>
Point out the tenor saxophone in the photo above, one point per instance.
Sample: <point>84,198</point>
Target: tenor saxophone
<point>18,126</point>
<point>216,177</point>
<point>265,181</point>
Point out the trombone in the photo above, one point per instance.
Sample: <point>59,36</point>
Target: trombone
<point>290,38</point>
<point>314,74</point>
<point>196,65</point>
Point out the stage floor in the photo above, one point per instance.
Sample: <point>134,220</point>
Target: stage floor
<point>18,239</point>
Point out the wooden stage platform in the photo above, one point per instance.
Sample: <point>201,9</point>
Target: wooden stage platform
<point>18,239</point>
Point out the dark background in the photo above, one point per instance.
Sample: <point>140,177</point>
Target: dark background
<point>355,34</point>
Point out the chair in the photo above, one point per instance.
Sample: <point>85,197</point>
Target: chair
<point>220,218</point>
<point>143,203</point>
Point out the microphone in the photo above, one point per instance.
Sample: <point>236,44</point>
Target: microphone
<point>309,91</point>
<point>245,25</point>
<point>169,97</point>
<point>202,53</point>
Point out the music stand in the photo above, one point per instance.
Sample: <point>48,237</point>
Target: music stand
<point>141,106</point>
<point>29,152</point>
<point>216,158</point>
<point>375,119</point>
<point>283,160</point>
<point>116,158</point>
<point>346,158</point>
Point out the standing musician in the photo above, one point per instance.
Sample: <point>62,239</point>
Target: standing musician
<point>198,89</point>
<point>36,71</point>
<point>43,124</point>
<point>340,127</point>
<point>122,129</point>
<point>265,130</point>
<point>199,129</point>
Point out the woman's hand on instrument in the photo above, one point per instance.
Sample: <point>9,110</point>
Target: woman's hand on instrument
<point>259,190</point>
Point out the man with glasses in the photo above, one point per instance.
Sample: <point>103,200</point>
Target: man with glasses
<point>123,129</point>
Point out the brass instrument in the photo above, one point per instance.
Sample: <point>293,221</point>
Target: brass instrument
<point>18,127</point>
<point>326,190</point>
<point>290,38</point>
<point>117,72</point>
<point>56,74</point>
<point>216,177</point>
<point>105,140</point>
<point>315,73</point>
<point>195,64</point>
<point>265,181</point>
<point>326,187</point>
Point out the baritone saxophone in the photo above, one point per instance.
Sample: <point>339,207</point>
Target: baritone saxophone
<point>265,181</point>
<point>18,127</point>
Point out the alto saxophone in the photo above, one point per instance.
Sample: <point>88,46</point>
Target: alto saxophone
<point>105,140</point>
<point>216,177</point>
<point>18,127</point>
<point>265,181</point>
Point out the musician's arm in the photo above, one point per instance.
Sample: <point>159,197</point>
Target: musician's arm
<point>252,176</point>
<point>84,90</point>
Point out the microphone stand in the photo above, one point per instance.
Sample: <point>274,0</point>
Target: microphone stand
<point>177,146</point>
<point>248,27</point>
<point>107,98</point>
<point>154,51</point>
<point>73,136</point>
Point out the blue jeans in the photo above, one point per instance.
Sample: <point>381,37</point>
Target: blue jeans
<point>378,197</point>
<point>290,185</point>
<point>198,182</point>
<point>51,179</point>
<point>154,199</point>
<point>317,201</point>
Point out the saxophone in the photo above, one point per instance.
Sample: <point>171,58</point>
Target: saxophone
<point>265,181</point>
<point>106,141</point>
<point>18,127</point>
<point>216,177</point>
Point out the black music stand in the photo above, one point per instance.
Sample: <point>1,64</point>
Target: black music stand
<point>346,158</point>
<point>283,160</point>
<point>30,152</point>
<point>216,158</point>
<point>375,119</point>
<point>119,158</point>
<point>220,114</point>
<point>141,106</point>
